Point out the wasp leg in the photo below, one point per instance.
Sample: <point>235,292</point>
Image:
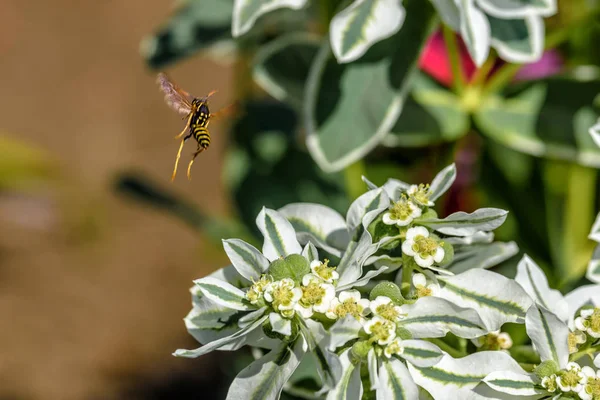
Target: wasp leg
<point>187,125</point>
<point>177,158</point>
<point>189,170</point>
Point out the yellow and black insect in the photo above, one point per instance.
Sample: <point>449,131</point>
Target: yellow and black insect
<point>197,114</point>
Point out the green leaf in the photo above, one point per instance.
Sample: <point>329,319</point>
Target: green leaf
<point>219,343</point>
<point>432,317</point>
<point>246,259</point>
<point>281,66</point>
<point>496,298</point>
<point>365,22</point>
<point>349,108</point>
<point>246,12</point>
<point>196,25</point>
<point>464,224</point>
<point>223,293</point>
<point>549,335</point>
<point>265,377</point>
<point>318,224</point>
<point>279,234</point>
<point>512,383</point>
<point>431,115</point>
<point>548,118</point>
<point>481,256</point>
<point>395,381</point>
<point>518,40</point>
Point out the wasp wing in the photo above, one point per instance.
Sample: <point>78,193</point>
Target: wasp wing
<point>175,97</point>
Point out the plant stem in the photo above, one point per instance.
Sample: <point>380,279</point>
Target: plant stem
<point>447,348</point>
<point>579,354</point>
<point>482,72</point>
<point>458,75</point>
<point>353,179</point>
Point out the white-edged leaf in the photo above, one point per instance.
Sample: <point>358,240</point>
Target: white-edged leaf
<point>349,386</point>
<point>230,275</point>
<point>365,22</point>
<point>531,277</point>
<point>455,378</point>
<point>246,259</point>
<point>497,299</point>
<point>518,8</point>
<point>327,363</point>
<point>362,281</point>
<point>421,353</point>
<point>394,188</point>
<point>431,317</point>
<point>310,252</point>
<point>280,324</point>
<point>250,317</point>
<point>265,377</point>
<point>342,331</point>
<point>208,321</point>
<point>319,224</point>
<point>279,234</point>
<point>549,335</point>
<point>595,133</point>
<point>219,343</point>
<point>475,30</point>
<point>595,231</point>
<point>223,293</point>
<point>593,270</point>
<point>395,381</point>
<point>449,12</point>
<point>597,361</point>
<point>350,267</point>
<point>482,256</point>
<point>442,182</point>
<point>370,185</point>
<point>373,366</point>
<point>373,200</point>
<point>465,224</point>
<point>583,295</point>
<point>246,12</point>
<point>512,383</point>
<point>476,238</point>
<point>518,40</point>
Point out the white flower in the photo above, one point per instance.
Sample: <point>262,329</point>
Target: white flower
<point>589,322</point>
<point>402,212</point>
<point>348,302</point>
<point>424,249</point>
<point>395,347</point>
<point>571,378</point>
<point>591,384</point>
<point>283,296</point>
<point>383,307</point>
<point>504,341</point>
<point>423,288</point>
<point>381,330</point>
<point>324,271</point>
<point>316,296</point>
<point>575,339</point>
<point>549,383</point>
<point>256,291</point>
<point>421,194</point>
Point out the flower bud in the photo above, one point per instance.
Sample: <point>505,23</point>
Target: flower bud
<point>387,289</point>
<point>546,368</point>
<point>361,349</point>
<point>293,266</point>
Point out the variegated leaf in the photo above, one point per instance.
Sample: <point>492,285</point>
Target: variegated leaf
<point>373,367</point>
<point>421,353</point>
<point>449,12</point>
<point>223,293</point>
<point>593,271</point>
<point>280,324</point>
<point>310,252</point>
<point>395,381</point>
<point>246,259</point>
<point>442,182</point>
<point>476,238</point>
<point>343,331</point>
<point>279,234</point>
<point>549,335</point>
<point>518,8</point>
<point>482,256</point>
<point>362,281</point>
<point>220,343</point>
<point>531,277</point>
<point>349,386</point>
<point>595,133</point>
<point>583,295</point>
<point>363,23</point>
<point>431,317</point>
<point>373,200</point>
<point>456,378</point>
<point>318,224</point>
<point>496,298</point>
<point>512,383</point>
<point>265,377</point>
<point>208,321</point>
<point>464,224</point>
<point>475,30</point>
<point>518,40</point>
<point>597,361</point>
<point>595,232</point>
<point>394,188</point>
<point>246,12</point>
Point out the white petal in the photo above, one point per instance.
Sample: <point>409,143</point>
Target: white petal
<point>387,219</point>
<point>419,280</point>
<point>579,324</point>
<point>439,254</point>
<point>424,262</point>
<point>364,303</point>
<point>586,313</point>
<point>314,264</point>
<point>416,231</point>
<point>407,247</point>
<point>297,292</point>
<point>416,211</point>
<point>304,312</point>
<point>347,295</point>
<point>404,222</point>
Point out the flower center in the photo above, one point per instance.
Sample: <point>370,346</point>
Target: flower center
<point>570,378</point>
<point>595,320</point>
<point>423,291</point>
<point>402,209</point>
<point>425,246</point>
<point>388,311</point>
<point>394,347</point>
<point>312,294</point>
<point>349,307</point>
<point>592,388</point>
<point>257,289</point>
<point>382,331</point>
<point>549,383</point>
<point>282,295</point>
<point>421,194</point>
<point>324,271</point>
<point>575,339</point>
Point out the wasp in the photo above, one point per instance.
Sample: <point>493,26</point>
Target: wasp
<point>195,111</point>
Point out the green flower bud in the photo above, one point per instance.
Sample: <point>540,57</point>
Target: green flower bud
<point>429,214</point>
<point>546,368</point>
<point>293,266</point>
<point>360,349</point>
<point>387,289</point>
<point>448,252</point>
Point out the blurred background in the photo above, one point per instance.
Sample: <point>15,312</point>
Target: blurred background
<point>93,288</point>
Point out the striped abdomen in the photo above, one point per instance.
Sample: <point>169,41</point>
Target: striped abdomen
<point>201,135</point>
<point>199,125</point>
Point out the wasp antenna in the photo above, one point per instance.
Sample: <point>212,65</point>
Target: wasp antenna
<point>211,93</point>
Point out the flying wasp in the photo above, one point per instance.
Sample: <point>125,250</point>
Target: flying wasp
<point>196,113</point>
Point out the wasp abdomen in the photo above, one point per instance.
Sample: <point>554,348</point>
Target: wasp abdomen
<point>202,136</point>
